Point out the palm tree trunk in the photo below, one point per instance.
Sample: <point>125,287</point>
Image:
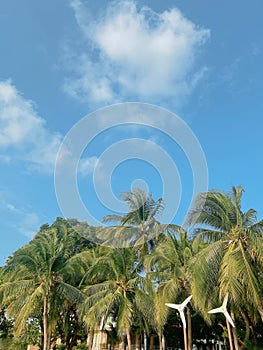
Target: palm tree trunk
<point>246,320</point>
<point>45,324</point>
<point>229,335</point>
<point>235,339</point>
<point>90,339</point>
<point>189,329</point>
<point>49,340</point>
<point>234,332</point>
<point>144,340</point>
<point>160,338</point>
<point>163,342</point>
<point>128,337</point>
<point>254,336</point>
<point>185,340</point>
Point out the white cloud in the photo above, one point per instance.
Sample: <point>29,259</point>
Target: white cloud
<point>23,131</point>
<point>18,217</point>
<point>87,165</point>
<point>29,225</point>
<point>134,53</point>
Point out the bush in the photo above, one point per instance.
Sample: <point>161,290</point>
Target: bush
<point>82,346</point>
<point>61,347</point>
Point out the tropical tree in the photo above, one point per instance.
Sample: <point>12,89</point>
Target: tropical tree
<point>139,225</point>
<point>170,265</point>
<point>232,261</point>
<point>115,277</point>
<point>33,282</point>
<point>150,300</point>
<point>78,270</point>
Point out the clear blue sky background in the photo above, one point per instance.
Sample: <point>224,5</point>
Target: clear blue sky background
<point>61,60</point>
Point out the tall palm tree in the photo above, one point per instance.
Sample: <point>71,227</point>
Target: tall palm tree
<point>233,259</point>
<point>78,270</point>
<point>139,224</point>
<point>33,282</point>
<point>115,279</point>
<point>170,265</point>
<point>150,300</point>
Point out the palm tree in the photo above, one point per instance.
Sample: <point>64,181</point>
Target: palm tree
<point>150,300</point>
<point>78,270</point>
<point>170,264</point>
<point>138,225</point>
<point>115,279</point>
<point>32,281</point>
<point>233,259</point>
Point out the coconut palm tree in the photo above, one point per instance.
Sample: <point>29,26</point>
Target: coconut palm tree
<point>115,277</point>
<point>170,265</point>
<point>33,282</point>
<point>78,271</point>
<point>232,261</point>
<point>150,301</point>
<point>139,225</point>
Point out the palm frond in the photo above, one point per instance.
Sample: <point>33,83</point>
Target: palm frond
<point>29,306</point>
<point>69,292</point>
<point>112,218</point>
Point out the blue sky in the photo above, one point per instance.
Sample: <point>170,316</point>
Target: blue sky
<point>62,60</point>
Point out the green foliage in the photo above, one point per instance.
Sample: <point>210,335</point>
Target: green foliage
<point>6,325</point>
<point>34,277</point>
<point>251,346</point>
<point>232,260</point>
<point>30,336</point>
<point>139,226</point>
<point>116,277</point>
<point>6,344</point>
<point>142,208</point>
<point>87,286</point>
<point>82,346</point>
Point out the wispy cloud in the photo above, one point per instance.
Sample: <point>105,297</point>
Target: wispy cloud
<point>29,224</point>
<point>134,53</point>
<point>87,165</point>
<point>23,133</point>
<point>18,217</point>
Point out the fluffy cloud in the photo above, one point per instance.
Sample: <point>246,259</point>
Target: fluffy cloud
<point>134,53</point>
<point>23,134</point>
